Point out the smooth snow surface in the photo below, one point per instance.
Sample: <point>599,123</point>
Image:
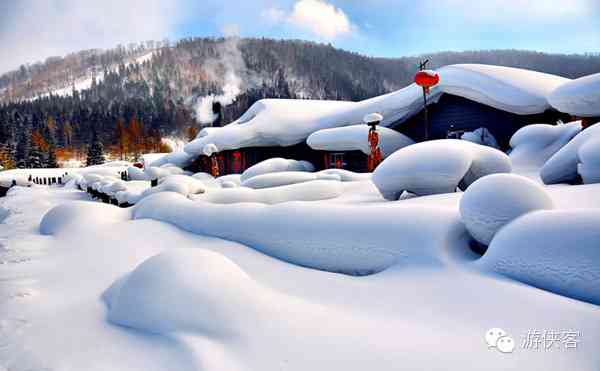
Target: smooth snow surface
<point>556,251</point>
<point>580,97</point>
<point>495,200</point>
<point>437,166</point>
<point>562,166</point>
<point>355,138</point>
<point>274,165</point>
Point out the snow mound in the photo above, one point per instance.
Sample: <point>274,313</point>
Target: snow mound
<point>543,250</point>
<point>334,237</point>
<point>274,165</point>
<point>589,161</point>
<point>286,178</point>
<point>133,193</point>
<point>495,200</point>
<point>62,217</point>
<point>580,97</point>
<point>191,290</point>
<point>182,184</point>
<point>437,166</point>
<point>235,179</point>
<point>345,175</point>
<point>135,173</point>
<point>562,166</point>
<point>209,149</point>
<point>355,137</point>
<point>163,171</point>
<point>208,180</point>
<point>533,145</point>
<point>314,190</point>
<point>481,136</point>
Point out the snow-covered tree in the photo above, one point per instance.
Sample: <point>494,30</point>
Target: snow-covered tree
<point>95,155</point>
<point>35,160</point>
<point>22,151</point>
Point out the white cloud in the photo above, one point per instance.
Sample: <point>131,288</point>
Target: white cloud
<point>32,30</point>
<point>318,17</point>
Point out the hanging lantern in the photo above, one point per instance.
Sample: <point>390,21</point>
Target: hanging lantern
<point>427,79</point>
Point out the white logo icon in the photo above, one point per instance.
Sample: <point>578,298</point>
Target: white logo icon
<point>497,338</point>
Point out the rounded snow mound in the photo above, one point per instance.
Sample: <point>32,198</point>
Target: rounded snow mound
<point>589,161</point>
<point>580,97</point>
<point>188,290</point>
<point>495,200</point>
<point>313,190</point>
<point>163,171</point>
<point>62,217</point>
<point>182,184</point>
<point>542,250</point>
<point>562,166</point>
<point>278,179</point>
<point>136,174</point>
<point>437,166</point>
<point>533,145</point>
<point>231,178</point>
<point>274,165</point>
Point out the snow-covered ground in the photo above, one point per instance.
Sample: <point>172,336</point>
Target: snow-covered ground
<point>309,271</point>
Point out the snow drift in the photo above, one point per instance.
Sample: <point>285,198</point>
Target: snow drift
<point>338,238</point>
<point>437,166</point>
<point>544,250</point>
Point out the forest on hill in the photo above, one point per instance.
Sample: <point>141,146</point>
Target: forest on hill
<point>131,97</point>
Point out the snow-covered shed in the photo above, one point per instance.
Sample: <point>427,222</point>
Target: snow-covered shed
<point>468,97</point>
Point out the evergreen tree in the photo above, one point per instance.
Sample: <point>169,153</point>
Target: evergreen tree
<point>95,155</point>
<point>51,158</point>
<point>22,151</point>
<point>36,157</point>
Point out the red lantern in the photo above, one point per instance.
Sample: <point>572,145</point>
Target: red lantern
<point>426,79</point>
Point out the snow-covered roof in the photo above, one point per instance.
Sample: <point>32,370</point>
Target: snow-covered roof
<point>580,97</point>
<point>284,122</point>
<point>355,137</point>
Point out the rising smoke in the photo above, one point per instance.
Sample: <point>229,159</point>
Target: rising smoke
<point>228,69</point>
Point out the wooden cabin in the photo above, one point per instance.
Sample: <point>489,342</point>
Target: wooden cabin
<point>452,115</point>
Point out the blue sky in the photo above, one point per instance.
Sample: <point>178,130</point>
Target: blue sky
<point>31,30</point>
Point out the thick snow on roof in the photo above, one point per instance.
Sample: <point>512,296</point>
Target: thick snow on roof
<point>284,122</point>
<point>580,97</point>
<point>355,137</point>
<point>271,122</point>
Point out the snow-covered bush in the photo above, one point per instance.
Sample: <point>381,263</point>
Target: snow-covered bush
<point>163,171</point>
<point>495,200</point>
<point>274,165</point>
<point>562,166</point>
<point>437,166</point>
<point>135,189</point>
<point>554,250</point>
